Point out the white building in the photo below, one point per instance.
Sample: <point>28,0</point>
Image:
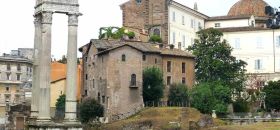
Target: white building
<point>243,27</point>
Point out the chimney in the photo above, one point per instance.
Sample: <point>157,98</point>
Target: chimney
<point>171,46</point>
<point>179,45</point>
<point>160,46</point>
<point>195,6</point>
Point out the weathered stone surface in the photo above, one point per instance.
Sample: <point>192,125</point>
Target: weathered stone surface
<point>205,121</point>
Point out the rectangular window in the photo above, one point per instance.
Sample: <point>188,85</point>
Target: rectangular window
<point>103,99</point>
<point>18,67</point>
<point>18,77</point>
<point>8,66</point>
<point>93,85</point>
<point>183,20</point>
<point>144,57</point>
<point>168,66</point>
<point>199,26</point>
<point>259,42</point>
<point>173,16</point>
<point>237,43</point>
<point>278,41</point>
<point>184,40</point>
<point>86,76</point>
<point>217,25</point>
<point>8,76</point>
<point>183,67</point>
<point>183,80</point>
<point>7,88</point>
<point>192,23</point>
<point>155,60</point>
<point>258,64</point>
<point>168,80</point>
<point>173,38</point>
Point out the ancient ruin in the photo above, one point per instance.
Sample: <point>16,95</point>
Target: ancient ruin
<point>40,106</point>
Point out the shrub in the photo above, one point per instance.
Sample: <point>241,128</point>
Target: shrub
<point>60,107</point>
<point>211,96</point>
<point>130,35</point>
<point>152,84</point>
<point>90,109</point>
<point>178,93</point>
<point>155,38</point>
<point>241,105</point>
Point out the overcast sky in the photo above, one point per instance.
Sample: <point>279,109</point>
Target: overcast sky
<point>17,29</point>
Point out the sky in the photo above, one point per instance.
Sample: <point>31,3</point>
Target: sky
<point>17,28</point>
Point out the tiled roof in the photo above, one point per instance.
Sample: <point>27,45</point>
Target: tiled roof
<point>240,29</point>
<point>58,71</point>
<point>228,17</point>
<point>141,46</point>
<point>248,7</point>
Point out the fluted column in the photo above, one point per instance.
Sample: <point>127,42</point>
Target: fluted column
<point>71,81</point>
<point>36,55</point>
<point>45,64</point>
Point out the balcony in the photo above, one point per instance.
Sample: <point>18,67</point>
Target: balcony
<point>135,84</point>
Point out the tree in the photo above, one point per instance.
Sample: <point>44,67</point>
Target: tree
<point>107,32</point>
<point>272,90</point>
<point>63,60</point>
<point>60,106</point>
<point>211,96</point>
<point>114,33</point>
<point>178,93</point>
<point>214,61</point>
<point>155,38</point>
<point>90,109</point>
<point>152,84</point>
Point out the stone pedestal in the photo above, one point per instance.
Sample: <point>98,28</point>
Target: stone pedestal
<point>54,126</point>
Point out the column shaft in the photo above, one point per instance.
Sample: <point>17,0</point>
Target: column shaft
<point>45,64</point>
<point>71,89</point>
<point>36,55</point>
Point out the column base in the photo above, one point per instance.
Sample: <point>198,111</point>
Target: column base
<point>54,126</point>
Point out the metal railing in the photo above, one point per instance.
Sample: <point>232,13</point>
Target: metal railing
<point>166,104</point>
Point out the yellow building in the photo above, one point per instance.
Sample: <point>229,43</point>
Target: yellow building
<point>58,82</point>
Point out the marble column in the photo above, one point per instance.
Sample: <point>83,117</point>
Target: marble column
<point>45,64</point>
<point>71,81</point>
<point>36,55</point>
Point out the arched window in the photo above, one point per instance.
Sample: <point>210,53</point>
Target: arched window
<point>157,32</point>
<point>138,1</point>
<point>123,57</point>
<point>133,80</point>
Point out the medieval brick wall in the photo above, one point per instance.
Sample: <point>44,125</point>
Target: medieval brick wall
<point>148,15</point>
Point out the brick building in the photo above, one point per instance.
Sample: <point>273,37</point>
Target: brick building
<point>113,72</point>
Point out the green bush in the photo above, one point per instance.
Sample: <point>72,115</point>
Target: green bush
<point>272,91</point>
<point>155,38</point>
<point>241,105</point>
<point>152,84</point>
<point>178,93</point>
<point>211,96</point>
<point>60,107</point>
<point>90,109</point>
<point>130,35</point>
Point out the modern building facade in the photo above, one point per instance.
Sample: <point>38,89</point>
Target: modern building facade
<point>15,80</point>
<point>113,72</point>
<point>243,27</point>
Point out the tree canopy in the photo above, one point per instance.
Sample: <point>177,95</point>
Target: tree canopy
<point>114,33</point>
<point>152,84</point>
<point>272,91</point>
<point>214,61</point>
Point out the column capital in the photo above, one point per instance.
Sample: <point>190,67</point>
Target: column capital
<point>37,19</point>
<point>73,19</point>
<point>47,17</point>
